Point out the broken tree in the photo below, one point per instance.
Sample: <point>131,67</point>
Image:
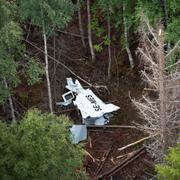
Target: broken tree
<point>160,112</point>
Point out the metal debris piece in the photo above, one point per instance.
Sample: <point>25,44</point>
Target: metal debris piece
<point>78,133</point>
<point>74,87</point>
<point>98,121</point>
<point>67,97</point>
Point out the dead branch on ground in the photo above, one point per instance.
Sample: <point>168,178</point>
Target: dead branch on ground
<point>135,143</point>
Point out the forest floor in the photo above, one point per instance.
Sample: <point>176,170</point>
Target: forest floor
<point>102,144</point>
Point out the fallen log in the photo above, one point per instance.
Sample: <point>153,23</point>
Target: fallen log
<point>149,163</point>
<point>104,160</point>
<point>87,153</point>
<point>111,126</point>
<point>135,143</point>
<point>128,154</point>
<point>123,164</point>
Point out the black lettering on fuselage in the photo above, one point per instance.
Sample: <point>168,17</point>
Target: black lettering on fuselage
<point>93,101</point>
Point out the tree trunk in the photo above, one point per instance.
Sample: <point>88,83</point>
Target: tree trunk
<point>109,49</point>
<point>47,70</point>
<point>162,91</point>
<point>126,38</point>
<point>80,25</point>
<point>55,66</point>
<point>165,7</point>
<point>10,102</point>
<point>166,20</point>
<point>89,31</point>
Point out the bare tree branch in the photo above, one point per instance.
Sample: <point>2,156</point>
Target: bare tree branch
<point>173,49</point>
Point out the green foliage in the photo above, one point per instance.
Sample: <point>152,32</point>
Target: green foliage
<point>155,13</point>
<point>174,7</point>
<point>5,12</point>
<point>99,31</point>
<point>151,9</point>
<point>107,6</point>
<point>111,10</point>
<point>171,170</point>
<point>51,14</point>
<point>173,30</point>
<point>128,13</point>
<point>39,148</point>
<point>8,69</point>
<point>34,71</point>
<point>11,52</point>
<point>101,9</point>
<point>4,93</point>
<point>10,48</point>
<point>98,47</point>
<point>11,38</point>
<point>107,41</point>
<point>95,26</point>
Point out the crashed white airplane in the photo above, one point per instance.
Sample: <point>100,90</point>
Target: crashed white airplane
<point>93,110</point>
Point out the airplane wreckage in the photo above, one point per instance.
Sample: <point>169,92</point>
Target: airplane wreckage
<point>93,110</point>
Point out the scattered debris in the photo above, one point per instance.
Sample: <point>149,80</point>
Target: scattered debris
<point>122,164</point>
<point>93,110</point>
<point>101,140</point>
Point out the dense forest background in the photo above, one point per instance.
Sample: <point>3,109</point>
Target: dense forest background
<point>126,51</point>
